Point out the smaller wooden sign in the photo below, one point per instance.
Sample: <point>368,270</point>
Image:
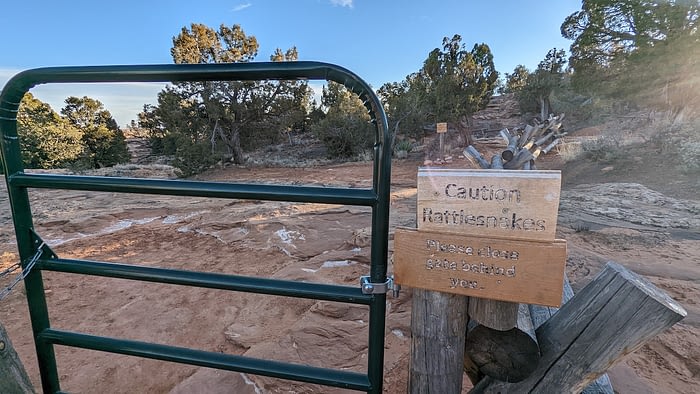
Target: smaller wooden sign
<point>442,128</point>
<point>489,203</point>
<point>506,270</point>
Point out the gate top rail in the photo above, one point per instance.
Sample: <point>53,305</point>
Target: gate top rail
<point>20,84</point>
<point>17,86</point>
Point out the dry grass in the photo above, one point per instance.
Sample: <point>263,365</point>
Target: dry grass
<point>570,151</point>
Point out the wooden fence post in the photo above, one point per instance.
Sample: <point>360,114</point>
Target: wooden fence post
<point>438,324</point>
<point>13,377</point>
<point>614,315</point>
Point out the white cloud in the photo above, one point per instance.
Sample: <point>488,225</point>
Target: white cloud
<point>241,7</point>
<point>342,3</point>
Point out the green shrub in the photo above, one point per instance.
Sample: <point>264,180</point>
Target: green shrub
<point>689,156</point>
<point>403,145</point>
<point>344,136</point>
<point>192,158</point>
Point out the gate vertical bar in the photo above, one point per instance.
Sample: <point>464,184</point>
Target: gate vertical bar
<point>22,218</point>
<point>380,240</point>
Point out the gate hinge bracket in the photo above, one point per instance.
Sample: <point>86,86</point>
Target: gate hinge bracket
<point>379,288</point>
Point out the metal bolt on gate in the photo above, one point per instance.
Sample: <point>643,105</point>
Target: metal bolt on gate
<point>371,291</point>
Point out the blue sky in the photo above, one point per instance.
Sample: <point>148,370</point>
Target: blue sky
<point>382,41</point>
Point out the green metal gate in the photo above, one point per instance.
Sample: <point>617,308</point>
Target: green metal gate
<point>36,256</point>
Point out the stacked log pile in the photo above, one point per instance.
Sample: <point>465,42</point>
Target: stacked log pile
<point>523,148</point>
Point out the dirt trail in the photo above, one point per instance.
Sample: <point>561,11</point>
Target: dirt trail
<point>650,233</point>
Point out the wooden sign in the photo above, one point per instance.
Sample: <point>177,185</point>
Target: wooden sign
<point>489,203</point>
<point>442,128</point>
<point>506,270</point>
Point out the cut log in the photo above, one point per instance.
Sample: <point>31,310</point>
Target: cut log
<point>522,157</point>
<point>496,162</point>
<point>14,378</point>
<point>510,355</point>
<point>509,152</point>
<point>525,136</point>
<point>543,140</point>
<point>549,147</point>
<point>612,316</point>
<point>499,315</point>
<point>438,324</point>
<point>470,151</point>
<point>505,134</point>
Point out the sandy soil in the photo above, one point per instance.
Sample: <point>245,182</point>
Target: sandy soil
<point>655,234</point>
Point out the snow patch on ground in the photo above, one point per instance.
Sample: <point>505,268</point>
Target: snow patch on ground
<point>172,219</point>
<point>289,236</point>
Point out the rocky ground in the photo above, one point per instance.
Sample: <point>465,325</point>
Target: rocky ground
<point>653,231</point>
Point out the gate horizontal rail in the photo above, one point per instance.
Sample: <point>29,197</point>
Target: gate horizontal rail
<point>304,373</point>
<point>327,195</point>
<point>279,287</point>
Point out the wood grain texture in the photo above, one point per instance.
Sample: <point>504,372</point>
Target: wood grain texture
<point>511,355</point>
<point>13,377</point>
<point>438,324</point>
<point>614,315</point>
<point>489,203</point>
<point>505,270</point>
<point>498,315</point>
<point>540,314</point>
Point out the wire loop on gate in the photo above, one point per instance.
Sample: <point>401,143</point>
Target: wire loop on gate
<point>14,267</point>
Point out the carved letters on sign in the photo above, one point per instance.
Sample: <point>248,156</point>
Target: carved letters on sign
<point>492,203</point>
<point>506,270</point>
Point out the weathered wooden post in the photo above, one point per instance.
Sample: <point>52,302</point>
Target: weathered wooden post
<point>441,129</point>
<point>615,314</point>
<point>13,377</point>
<point>438,322</point>
<point>540,314</point>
